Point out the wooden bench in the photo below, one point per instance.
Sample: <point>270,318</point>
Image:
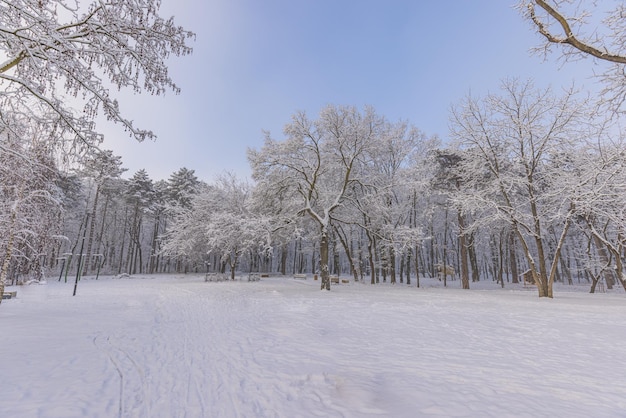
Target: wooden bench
<point>215,277</point>
<point>334,279</point>
<point>299,276</point>
<point>9,295</point>
<point>265,275</point>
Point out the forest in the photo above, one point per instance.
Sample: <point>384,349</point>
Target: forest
<point>529,186</point>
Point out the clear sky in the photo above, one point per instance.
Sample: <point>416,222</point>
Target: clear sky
<point>256,62</point>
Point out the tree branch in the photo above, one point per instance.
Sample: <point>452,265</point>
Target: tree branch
<point>570,38</point>
<point>12,62</point>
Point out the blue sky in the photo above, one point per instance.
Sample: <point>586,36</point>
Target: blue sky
<point>256,62</point>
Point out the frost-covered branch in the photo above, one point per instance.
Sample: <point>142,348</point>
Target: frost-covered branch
<point>585,28</point>
<point>52,48</point>
<point>568,36</point>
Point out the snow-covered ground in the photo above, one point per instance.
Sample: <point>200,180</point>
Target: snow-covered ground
<point>175,346</point>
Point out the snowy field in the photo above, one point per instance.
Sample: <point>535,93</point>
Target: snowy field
<point>175,346</point>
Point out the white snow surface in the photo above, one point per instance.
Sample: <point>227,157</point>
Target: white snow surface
<point>176,346</point>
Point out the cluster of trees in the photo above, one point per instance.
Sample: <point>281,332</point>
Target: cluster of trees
<point>55,54</point>
<point>531,182</point>
<point>56,220</point>
<point>524,168</point>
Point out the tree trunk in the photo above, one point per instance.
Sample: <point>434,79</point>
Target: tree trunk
<point>619,270</point>
<point>384,266</point>
<point>377,261</point>
<point>543,284</point>
<point>604,259</point>
<point>154,249</point>
<point>513,259</point>
<point>9,251</point>
<point>432,247</point>
<point>401,275</point>
<point>615,251</point>
<point>346,248</point>
<point>362,269</point>
<point>408,267</point>
<point>283,258</point>
<point>370,253</point>
<point>324,259</point>
<point>336,265</point>
<point>392,264</point>
<point>92,229</point>
<point>471,250</point>
<point>445,250</point>
<point>501,265</point>
<point>139,251</point>
<point>123,243</point>
<point>313,268</point>
<point>233,266</point>
<point>301,261</point>
<point>295,257</point>
<point>463,252</point>
<point>100,236</point>
<point>417,265</point>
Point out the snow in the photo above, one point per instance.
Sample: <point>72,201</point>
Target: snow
<point>176,346</point>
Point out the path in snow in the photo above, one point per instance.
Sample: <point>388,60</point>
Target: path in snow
<point>179,347</point>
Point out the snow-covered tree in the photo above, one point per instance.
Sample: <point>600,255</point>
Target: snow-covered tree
<point>140,196</point>
<point>30,201</point>
<point>317,164</point>
<point>280,209</point>
<point>101,167</point>
<point>182,186</point>
<point>235,228</point>
<point>509,140</point>
<point>600,169</point>
<point>382,200</point>
<point>447,179</point>
<point>53,50</point>
<point>221,221</point>
<point>185,239</point>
